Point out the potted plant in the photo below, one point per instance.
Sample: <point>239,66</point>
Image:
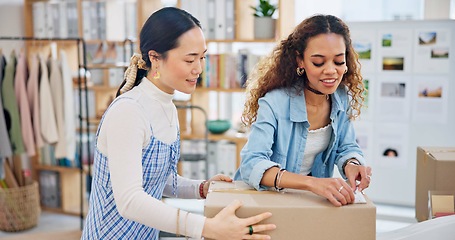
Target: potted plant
<point>264,24</point>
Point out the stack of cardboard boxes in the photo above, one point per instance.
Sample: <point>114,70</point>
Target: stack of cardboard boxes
<point>435,182</point>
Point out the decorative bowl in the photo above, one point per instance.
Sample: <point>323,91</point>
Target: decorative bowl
<point>218,126</point>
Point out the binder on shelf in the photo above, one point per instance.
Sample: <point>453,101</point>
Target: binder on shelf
<point>211,10</point>
<point>212,156</point>
<point>221,158</point>
<point>115,20</point>
<point>130,15</point>
<point>63,19</point>
<point>94,20</point>
<point>220,19</point>
<point>202,15</point>
<point>230,21</point>
<point>101,9</point>
<point>39,19</point>
<point>53,20</point>
<point>86,20</point>
<point>73,26</point>
<point>227,158</point>
<point>242,67</point>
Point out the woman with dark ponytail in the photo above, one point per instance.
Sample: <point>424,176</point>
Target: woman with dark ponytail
<point>138,145</point>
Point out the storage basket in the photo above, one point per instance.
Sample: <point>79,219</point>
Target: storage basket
<point>19,208</point>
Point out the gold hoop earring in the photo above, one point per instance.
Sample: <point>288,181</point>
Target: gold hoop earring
<point>300,71</point>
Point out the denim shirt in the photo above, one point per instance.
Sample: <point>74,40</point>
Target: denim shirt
<point>278,138</point>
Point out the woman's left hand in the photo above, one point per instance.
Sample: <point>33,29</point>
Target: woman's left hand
<point>218,177</point>
<point>358,173</point>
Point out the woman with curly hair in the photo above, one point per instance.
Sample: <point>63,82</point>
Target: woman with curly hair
<point>300,103</point>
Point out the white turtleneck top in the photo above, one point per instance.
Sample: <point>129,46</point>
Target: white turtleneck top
<point>125,158</point>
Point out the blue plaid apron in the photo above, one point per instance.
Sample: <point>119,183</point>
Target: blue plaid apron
<point>103,221</point>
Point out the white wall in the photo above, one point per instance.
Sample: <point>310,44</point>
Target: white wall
<point>362,10</point>
<point>411,121</point>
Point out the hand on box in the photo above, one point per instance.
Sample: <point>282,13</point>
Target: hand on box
<point>358,173</point>
<point>337,191</point>
<point>226,225</point>
<point>218,177</point>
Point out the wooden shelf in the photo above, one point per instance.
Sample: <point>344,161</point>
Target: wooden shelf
<point>57,168</point>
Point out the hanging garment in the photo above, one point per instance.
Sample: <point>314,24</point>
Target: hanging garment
<point>68,103</point>
<point>5,146</point>
<point>22,102</point>
<point>56,83</point>
<point>33,99</point>
<point>11,109</point>
<point>47,114</point>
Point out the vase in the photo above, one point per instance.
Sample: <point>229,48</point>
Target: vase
<point>264,28</point>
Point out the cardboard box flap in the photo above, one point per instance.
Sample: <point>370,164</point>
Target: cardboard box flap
<point>440,153</point>
<point>443,156</point>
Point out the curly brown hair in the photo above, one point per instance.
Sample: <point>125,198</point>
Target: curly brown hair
<point>278,70</point>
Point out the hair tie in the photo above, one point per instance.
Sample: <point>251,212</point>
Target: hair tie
<point>136,62</point>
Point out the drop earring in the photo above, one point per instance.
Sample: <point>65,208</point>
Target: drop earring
<point>156,75</point>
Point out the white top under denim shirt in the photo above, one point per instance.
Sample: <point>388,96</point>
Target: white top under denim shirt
<point>279,136</point>
<point>318,140</point>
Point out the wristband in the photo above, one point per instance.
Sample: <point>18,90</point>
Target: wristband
<point>201,189</point>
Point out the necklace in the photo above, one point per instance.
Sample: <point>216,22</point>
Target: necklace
<point>170,120</point>
<point>317,92</point>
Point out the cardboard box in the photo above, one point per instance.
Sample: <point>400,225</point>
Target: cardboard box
<point>442,203</point>
<point>435,171</point>
<point>297,214</point>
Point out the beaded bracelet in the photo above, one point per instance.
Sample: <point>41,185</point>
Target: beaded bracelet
<point>201,189</point>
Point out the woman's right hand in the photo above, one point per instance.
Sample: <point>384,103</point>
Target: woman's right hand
<point>226,225</point>
<point>336,190</point>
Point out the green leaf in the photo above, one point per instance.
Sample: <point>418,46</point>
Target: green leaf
<point>264,9</point>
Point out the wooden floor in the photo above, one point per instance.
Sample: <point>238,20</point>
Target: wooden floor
<point>60,235</point>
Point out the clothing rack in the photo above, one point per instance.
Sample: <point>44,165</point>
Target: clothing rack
<point>82,87</point>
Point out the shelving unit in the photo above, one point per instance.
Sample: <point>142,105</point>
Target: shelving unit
<point>204,96</point>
